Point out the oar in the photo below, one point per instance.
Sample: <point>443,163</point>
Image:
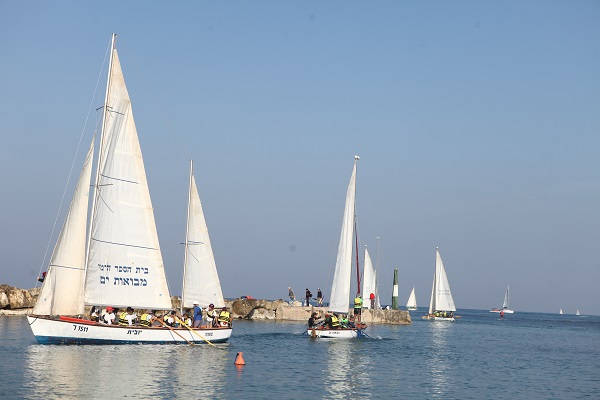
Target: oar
<point>174,331</point>
<point>191,330</point>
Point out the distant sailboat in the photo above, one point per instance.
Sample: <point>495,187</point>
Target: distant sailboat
<point>560,311</point>
<point>411,304</point>
<point>441,305</point>
<point>577,312</point>
<point>369,282</point>
<point>505,305</point>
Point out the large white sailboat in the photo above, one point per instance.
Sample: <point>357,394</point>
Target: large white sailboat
<point>441,305</point>
<point>505,305</point>
<point>120,264</point>
<point>340,288</point>
<point>411,304</point>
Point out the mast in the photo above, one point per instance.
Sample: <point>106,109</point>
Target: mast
<point>187,231</point>
<point>100,153</point>
<point>357,266</point>
<point>356,158</point>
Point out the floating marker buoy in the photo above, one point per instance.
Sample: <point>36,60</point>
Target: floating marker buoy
<point>239,360</point>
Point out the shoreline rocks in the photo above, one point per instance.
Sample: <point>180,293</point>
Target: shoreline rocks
<point>16,301</point>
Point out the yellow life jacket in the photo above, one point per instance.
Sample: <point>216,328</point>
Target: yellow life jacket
<point>358,302</point>
<point>123,318</point>
<point>335,322</point>
<point>224,316</point>
<point>144,320</point>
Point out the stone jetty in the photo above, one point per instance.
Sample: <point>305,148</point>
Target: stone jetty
<point>15,301</point>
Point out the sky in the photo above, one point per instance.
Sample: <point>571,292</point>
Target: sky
<point>477,124</point>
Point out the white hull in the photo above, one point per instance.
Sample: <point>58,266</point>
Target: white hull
<point>74,331</point>
<point>434,318</point>
<point>411,308</point>
<point>506,311</point>
<point>336,333</point>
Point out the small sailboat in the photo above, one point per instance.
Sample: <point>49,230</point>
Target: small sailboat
<point>411,304</point>
<point>120,263</point>
<point>369,282</point>
<point>560,311</point>
<point>505,306</point>
<point>340,288</point>
<point>441,305</point>
<point>577,312</point>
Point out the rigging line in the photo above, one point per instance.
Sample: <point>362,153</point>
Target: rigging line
<point>73,164</point>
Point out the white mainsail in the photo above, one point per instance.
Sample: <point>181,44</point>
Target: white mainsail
<point>340,289</point>
<point>411,304</point>
<point>62,290</point>
<point>369,282</point>
<point>441,296</point>
<point>200,277</point>
<point>124,266</point>
<point>505,303</point>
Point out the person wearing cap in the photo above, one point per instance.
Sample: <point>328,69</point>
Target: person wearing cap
<point>211,315</point>
<point>197,314</point>
<point>224,317</point>
<point>109,317</point>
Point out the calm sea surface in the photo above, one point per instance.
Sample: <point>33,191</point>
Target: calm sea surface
<point>525,356</point>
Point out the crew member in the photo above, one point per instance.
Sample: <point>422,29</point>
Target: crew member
<point>211,315</point>
<point>357,307</point>
<point>224,317</point>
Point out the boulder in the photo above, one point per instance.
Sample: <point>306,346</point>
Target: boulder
<point>12,298</point>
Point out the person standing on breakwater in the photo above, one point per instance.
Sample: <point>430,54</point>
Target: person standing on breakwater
<point>291,294</point>
<point>197,315</point>
<point>308,296</point>
<point>319,298</point>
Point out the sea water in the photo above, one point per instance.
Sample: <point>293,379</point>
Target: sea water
<point>479,356</point>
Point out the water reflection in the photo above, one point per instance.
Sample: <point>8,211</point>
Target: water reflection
<point>348,372</point>
<point>439,358</point>
<point>140,371</point>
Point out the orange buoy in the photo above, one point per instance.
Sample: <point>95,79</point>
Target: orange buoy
<point>239,360</point>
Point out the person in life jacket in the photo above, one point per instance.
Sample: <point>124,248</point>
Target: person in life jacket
<point>335,322</point>
<point>224,317</point>
<point>147,319</point>
<point>344,321</point>
<point>211,315</point>
<point>127,318</point>
<point>169,319</point>
<point>357,307</point>
<point>186,319</point>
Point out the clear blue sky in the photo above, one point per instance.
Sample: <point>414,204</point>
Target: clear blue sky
<point>477,124</point>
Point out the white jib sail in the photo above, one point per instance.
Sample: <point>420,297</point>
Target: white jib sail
<point>200,280</point>
<point>62,290</point>
<point>443,295</point>
<point>125,266</point>
<point>340,289</point>
<point>369,282</point>
<point>412,299</point>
